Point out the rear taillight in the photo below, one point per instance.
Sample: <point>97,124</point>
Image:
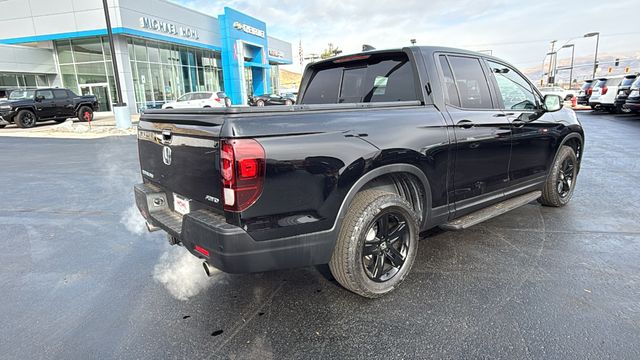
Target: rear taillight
<point>589,91</point>
<point>218,100</point>
<point>604,90</point>
<point>242,166</point>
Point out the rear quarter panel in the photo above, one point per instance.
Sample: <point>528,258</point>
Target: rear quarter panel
<point>314,158</point>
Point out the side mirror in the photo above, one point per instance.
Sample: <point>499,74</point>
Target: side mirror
<point>552,103</point>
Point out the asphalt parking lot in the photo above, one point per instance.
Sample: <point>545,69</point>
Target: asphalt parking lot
<point>80,278</point>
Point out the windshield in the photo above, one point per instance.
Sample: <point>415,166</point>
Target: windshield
<point>636,84</point>
<point>21,94</point>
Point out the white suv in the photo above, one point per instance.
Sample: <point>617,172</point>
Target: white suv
<point>604,92</point>
<point>202,99</point>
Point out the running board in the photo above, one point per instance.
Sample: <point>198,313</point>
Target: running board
<point>490,212</point>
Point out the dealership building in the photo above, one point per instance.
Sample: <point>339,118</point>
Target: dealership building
<point>163,50</point>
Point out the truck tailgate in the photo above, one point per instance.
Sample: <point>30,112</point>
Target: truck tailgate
<point>184,160</point>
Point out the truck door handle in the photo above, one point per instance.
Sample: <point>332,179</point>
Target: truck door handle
<point>518,123</point>
<point>465,124</point>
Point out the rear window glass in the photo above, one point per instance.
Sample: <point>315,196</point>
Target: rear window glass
<point>375,79</point>
<point>627,81</point>
<point>636,84</point>
<point>586,85</point>
<point>600,83</point>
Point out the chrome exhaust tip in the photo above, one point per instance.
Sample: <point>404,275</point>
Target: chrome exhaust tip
<point>208,269</point>
<point>151,227</point>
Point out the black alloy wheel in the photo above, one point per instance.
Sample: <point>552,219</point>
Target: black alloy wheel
<point>566,176</point>
<point>377,243</point>
<point>561,181</point>
<point>25,119</point>
<point>386,246</point>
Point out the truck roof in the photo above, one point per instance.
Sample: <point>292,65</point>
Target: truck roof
<point>427,49</point>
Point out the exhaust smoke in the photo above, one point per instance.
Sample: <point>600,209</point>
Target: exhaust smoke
<point>182,275</point>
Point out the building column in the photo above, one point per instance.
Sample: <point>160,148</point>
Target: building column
<point>124,72</point>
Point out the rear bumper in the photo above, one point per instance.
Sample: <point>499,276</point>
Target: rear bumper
<point>231,249</point>
<point>583,100</point>
<point>632,105</point>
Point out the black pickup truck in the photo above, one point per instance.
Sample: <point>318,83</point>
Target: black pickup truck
<point>26,107</point>
<point>381,147</point>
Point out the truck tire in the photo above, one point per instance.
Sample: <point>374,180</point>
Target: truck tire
<point>85,113</point>
<point>2,126</point>
<point>558,189</point>
<point>377,244</point>
<point>25,119</point>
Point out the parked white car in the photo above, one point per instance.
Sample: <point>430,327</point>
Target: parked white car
<point>557,90</point>
<point>604,92</point>
<point>198,100</point>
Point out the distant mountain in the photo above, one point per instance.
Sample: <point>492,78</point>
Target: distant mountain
<point>289,80</point>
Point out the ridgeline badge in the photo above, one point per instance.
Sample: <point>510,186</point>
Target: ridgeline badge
<point>248,29</point>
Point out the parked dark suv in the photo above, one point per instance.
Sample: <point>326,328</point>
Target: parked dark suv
<point>26,107</point>
<point>633,100</point>
<point>585,92</point>
<point>623,93</point>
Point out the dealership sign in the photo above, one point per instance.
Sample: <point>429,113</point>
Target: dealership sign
<point>276,53</point>
<point>248,29</point>
<point>168,28</point>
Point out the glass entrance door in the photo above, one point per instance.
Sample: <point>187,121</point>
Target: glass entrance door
<point>101,92</point>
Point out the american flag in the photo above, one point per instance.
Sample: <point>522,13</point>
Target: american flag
<point>300,53</point>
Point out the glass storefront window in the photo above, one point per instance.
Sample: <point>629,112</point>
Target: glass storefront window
<point>140,50</point>
<point>132,53</point>
<point>69,79</point>
<point>158,84</point>
<point>64,52</point>
<point>8,80</point>
<point>84,63</point>
<point>91,73</point>
<point>43,81</point>
<point>87,50</point>
<point>154,54</point>
<point>169,71</point>
<point>275,79</point>
<point>106,49</point>
<point>165,54</point>
<point>30,80</point>
<point>145,84</point>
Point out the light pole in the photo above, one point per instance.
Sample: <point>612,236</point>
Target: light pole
<point>113,51</point>
<point>595,58</point>
<point>573,48</point>
<point>552,76</point>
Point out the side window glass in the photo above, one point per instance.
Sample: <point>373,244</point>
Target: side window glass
<point>472,85</point>
<point>450,91</point>
<point>60,94</point>
<point>516,92</point>
<point>47,94</point>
